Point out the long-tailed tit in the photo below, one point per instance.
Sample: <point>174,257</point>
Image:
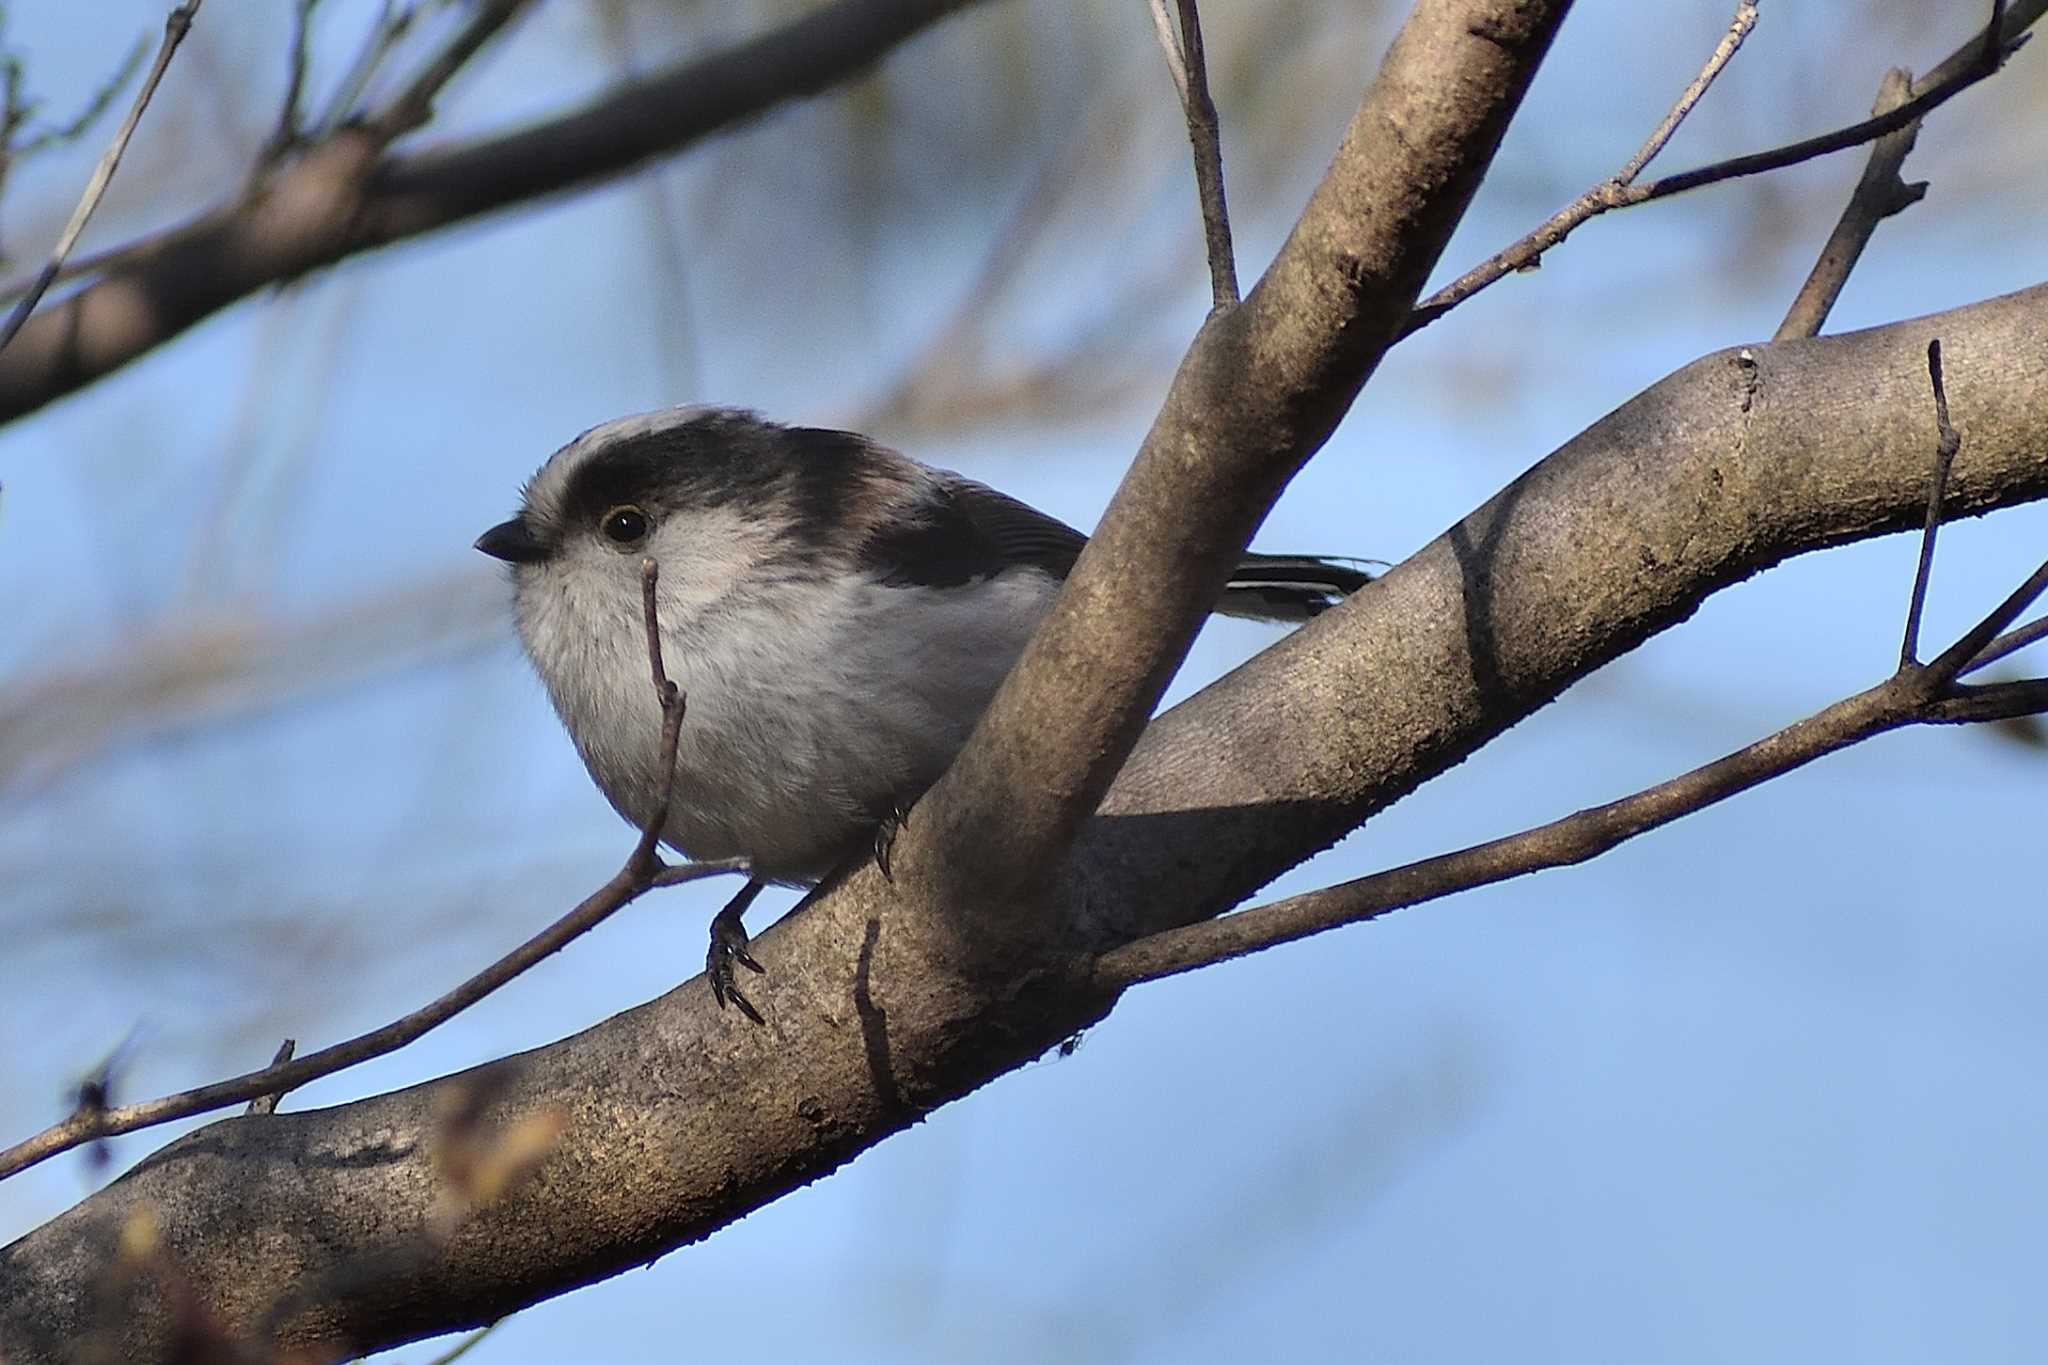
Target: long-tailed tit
<point>837,615</point>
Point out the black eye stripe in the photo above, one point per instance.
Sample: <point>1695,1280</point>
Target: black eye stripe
<point>625,525</point>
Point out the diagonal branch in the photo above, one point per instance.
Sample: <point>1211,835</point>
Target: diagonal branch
<point>2001,37</point>
<point>344,195</point>
<point>1258,392</point>
<point>1187,63</point>
<point>176,25</point>
<point>1879,194</point>
<point>1915,694</point>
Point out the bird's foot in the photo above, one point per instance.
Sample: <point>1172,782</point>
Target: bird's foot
<point>728,946</point>
<point>893,824</point>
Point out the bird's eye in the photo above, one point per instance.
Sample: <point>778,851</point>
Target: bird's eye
<point>624,525</point>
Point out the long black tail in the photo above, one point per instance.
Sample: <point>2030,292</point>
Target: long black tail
<point>1290,587</point>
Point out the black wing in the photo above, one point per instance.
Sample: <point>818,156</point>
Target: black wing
<point>965,531</point>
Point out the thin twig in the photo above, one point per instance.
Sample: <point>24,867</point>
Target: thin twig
<point>290,119</point>
<point>1206,138</point>
<point>1990,49</point>
<point>390,27</point>
<point>1946,444</point>
<point>1879,194</point>
<point>642,871</point>
<point>176,25</point>
<point>1950,663</point>
<point>2009,643</point>
<point>1724,52</point>
<point>1169,43</point>
<point>267,1104</point>
<point>415,104</point>
<point>1916,694</point>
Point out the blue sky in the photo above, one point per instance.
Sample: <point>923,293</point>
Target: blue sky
<point>1763,1085</point>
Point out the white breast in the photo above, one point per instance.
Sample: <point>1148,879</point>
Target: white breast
<point>813,710</point>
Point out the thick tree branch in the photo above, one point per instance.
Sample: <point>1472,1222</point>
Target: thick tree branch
<point>1257,394</point>
<point>345,195</point>
<point>680,1119</point>
<point>1915,694</point>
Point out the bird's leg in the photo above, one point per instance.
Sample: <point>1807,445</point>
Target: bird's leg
<point>729,945</point>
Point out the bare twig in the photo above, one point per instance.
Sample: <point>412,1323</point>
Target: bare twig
<point>2010,643</point>
<point>1188,64</point>
<point>415,105</point>
<point>1724,52</point>
<point>176,25</point>
<point>1169,44</point>
<point>1989,51</point>
<point>291,118</point>
<point>267,1104</point>
<point>1945,447</point>
<point>390,27</point>
<point>1916,694</point>
<point>642,871</point>
<point>102,100</point>
<point>1879,194</point>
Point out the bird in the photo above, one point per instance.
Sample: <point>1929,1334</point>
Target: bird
<point>836,614</point>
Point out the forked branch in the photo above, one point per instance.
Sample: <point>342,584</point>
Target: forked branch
<point>2002,36</point>
<point>1917,694</point>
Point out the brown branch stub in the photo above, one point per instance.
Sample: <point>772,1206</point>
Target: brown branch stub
<point>176,25</point>
<point>1879,194</point>
<point>267,1103</point>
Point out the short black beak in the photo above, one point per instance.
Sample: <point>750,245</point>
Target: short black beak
<point>514,542</point>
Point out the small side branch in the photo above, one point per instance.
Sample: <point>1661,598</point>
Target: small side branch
<point>176,25</point>
<point>1188,64</point>
<point>1917,694</point>
<point>643,870</point>
<point>1946,444</point>
<point>1724,52</point>
<point>1879,194</point>
<point>1988,52</point>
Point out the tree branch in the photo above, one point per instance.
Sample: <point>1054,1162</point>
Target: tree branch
<point>1189,66</point>
<point>345,195</point>
<point>1915,694</point>
<point>176,25</point>
<point>1987,53</point>
<point>1879,194</point>
<point>1256,395</point>
<point>643,871</point>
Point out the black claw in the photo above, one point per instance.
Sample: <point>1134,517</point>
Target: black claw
<point>729,945</point>
<point>894,823</point>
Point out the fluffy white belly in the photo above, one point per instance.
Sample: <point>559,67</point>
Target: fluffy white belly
<point>812,712</point>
